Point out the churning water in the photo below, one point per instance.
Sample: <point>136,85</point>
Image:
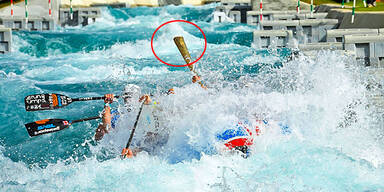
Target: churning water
<point>335,141</point>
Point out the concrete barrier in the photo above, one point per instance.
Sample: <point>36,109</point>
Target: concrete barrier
<point>14,23</point>
<point>337,35</point>
<point>234,9</point>
<point>279,24</point>
<point>381,31</point>
<point>283,17</point>
<point>236,2</point>
<point>316,15</point>
<point>272,38</point>
<point>314,30</point>
<point>292,25</point>
<point>81,16</point>
<point>321,46</point>
<point>253,17</point>
<point>288,16</point>
<point>368,48</point>
<point>5,39</point>
<point>223,9</point>
<point>220,17</point>
<point>235,16</point>
<point>34,23</point>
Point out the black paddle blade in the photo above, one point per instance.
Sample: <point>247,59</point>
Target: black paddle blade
<point>46,126</point>
<point>40,102</point>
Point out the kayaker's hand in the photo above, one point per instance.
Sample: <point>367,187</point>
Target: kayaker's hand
<point>108,98</point>
<point>146,98</point>
<point>170,91</point>
<point>195,78</point>
<point>127,153</point>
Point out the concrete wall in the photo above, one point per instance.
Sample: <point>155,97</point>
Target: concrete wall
<point>36,9</point>
<point>272,39</point>
<point>221,17</point>
<point>5,39</point>
<point>321,46</point>
<point>81,16</point>
<point>368,48</point>
<point>236,2</point>
<point>235,16</point>
<point>279,5</point>
<point>337,35</point>
<point>253,17</point>
<point>34,23</point>
<point>314,30</point>
<point>235,11</point>
<point>305,31</point>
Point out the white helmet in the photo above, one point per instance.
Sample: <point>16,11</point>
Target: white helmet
<point>131,93</point>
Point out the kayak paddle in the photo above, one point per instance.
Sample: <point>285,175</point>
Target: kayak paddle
<point>51,125</point>
<point>124,153</point>
<point>52,101</point>
<point>180,43</point>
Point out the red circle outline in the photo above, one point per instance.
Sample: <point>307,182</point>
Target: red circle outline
<point>172,21</point>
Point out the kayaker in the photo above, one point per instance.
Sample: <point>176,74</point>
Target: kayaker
<point>109,117</point>
<point>152,139</point>
<point>240,137</point>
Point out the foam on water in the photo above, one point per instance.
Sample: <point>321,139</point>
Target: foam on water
<point>335,142</point>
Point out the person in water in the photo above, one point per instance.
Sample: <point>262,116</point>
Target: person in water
<point>131,92</point>
<point>109,117</point>
<point>154,137</point>
<point>237,138</point>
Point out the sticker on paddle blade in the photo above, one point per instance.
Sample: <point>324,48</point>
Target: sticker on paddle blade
<point>50,125</point>
<point>46,102</point>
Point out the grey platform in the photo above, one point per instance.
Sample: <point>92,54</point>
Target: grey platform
<point>337,35</point>
<point>273,38</point>
<point>253,17</point>
<point>81,16</point>
<point>368,48</point>
<point>234,11</point>
<point>5,39</point>
<point>34,23</point>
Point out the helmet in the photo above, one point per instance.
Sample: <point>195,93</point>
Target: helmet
<point>238,137</point>
<point>131,93</point>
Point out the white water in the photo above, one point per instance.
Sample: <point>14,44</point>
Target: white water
<point>311,95</point>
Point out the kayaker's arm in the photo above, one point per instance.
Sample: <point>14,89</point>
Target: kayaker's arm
<point>106,119</point>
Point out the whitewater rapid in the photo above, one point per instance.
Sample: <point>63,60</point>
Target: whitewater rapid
<point>336,140</point>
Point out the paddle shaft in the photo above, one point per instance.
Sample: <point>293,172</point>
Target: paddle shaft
<point>90,98</point>
<point>85,119</point>
<point>134,127</point>
<point>180,43</point>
